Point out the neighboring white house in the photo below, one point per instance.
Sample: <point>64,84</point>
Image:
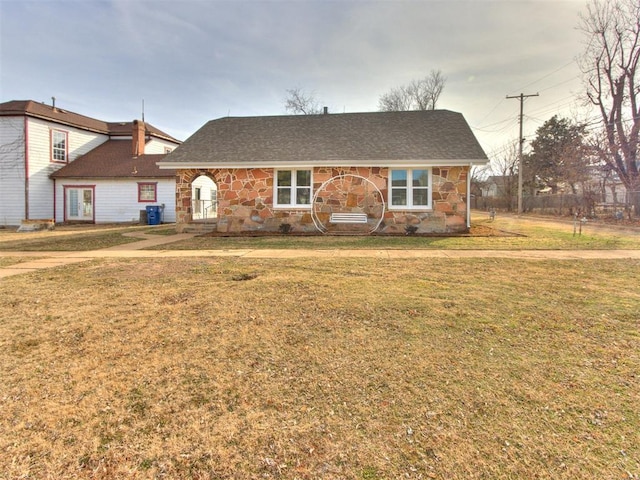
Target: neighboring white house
<point>56,164</point>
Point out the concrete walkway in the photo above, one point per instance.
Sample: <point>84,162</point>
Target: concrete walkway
<point>44,260</point>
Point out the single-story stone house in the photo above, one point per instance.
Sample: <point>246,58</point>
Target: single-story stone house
<point>383,172</point>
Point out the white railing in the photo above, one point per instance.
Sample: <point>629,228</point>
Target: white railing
<point>206,210</point>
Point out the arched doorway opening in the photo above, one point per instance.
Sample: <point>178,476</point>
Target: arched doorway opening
<point>204,199</point>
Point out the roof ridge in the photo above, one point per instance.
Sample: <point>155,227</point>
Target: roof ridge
<point>55,114</point>
<point>329,114</point>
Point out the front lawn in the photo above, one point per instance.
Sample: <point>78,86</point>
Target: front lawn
<point>321,368</point>
<point>505,233</point>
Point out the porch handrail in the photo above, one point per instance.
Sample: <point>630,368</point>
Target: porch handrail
<point>205,209</point>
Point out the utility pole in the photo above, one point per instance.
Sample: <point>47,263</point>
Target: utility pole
<point>521,97</point>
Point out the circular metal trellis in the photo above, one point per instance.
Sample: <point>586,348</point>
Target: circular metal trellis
<point>348,204</point>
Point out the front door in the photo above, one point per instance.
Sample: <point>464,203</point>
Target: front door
<point>79,204</point>
<point>197,204</point>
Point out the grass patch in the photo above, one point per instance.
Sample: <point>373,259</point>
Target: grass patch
<point>161,231</point>
<point>505,233</point>
<point>345,368</point>
<point>502,234</point>
<point>9,261</point>
<point>65,241</point>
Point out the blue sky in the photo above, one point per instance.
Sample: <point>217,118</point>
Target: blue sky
<point>192,61</point>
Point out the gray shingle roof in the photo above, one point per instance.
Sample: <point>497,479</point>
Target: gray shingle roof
<point>357,138</point>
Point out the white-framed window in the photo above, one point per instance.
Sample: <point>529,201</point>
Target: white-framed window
<point>410,188</point>
<point>59,146</point>
<point>147,192</point>
<point>292,188</point>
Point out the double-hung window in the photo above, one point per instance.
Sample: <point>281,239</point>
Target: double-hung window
<point>147,192</point>
<point>410,188</point>
<point>58,146</point>
<point>293,188</point>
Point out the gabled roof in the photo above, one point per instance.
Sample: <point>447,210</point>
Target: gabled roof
<point>113,159</point>
<point>47,112</point>
<point>376,138</point>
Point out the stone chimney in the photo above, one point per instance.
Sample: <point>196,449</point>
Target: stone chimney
<point>138,138</point>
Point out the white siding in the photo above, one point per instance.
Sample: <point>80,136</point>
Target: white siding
<point>40,165</point>
<point>206,207</point>
<point>153,146</point>
<point>117,200</point>
<point>156,145</point>
<point>12,170</point>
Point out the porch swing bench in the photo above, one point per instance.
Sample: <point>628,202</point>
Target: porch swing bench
<point>348,217</point>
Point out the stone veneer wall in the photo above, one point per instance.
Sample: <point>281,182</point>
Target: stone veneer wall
<point>449,207</point>
<point>245,200</point>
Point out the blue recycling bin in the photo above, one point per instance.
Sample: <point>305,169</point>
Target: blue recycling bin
<point>153,214</point>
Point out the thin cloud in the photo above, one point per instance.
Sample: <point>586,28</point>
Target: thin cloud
<point>192,61</point>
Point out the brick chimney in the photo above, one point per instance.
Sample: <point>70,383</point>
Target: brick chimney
<point>138,138</point>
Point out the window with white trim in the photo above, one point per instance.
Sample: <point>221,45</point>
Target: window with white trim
<point>292,188</point>
<point>410,188</point>
<point>58,146</point>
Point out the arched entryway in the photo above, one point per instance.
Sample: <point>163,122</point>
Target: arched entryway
<point>204,199</point>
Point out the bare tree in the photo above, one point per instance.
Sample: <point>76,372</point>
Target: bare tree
<point>431,89</point>
<point>609,64</point>
<point>395,100</point>
<point>420,94</point>
<point>298,102</point>
<point>608,177</point>
<point>12,154</point>
<point>504,174</point>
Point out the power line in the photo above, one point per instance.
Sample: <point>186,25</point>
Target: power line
<point>560,83</point>
<point>509,122</point>
<point>547,75</point>
<point>562,67</point>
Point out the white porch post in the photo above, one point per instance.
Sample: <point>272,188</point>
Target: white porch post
<point>469,196</point>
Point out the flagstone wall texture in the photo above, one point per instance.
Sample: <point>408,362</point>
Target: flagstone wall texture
<point>245,201</point>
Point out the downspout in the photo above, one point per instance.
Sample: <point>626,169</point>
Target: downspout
<point>26,168</point>
<point>54,201</point>
<point>469,196</point>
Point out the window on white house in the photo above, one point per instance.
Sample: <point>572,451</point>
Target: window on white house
<point>410,188</point>
<point>58,146</point>
<point>293,188</point>
<point>147,192</point>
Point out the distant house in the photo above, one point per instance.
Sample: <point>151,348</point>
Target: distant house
<point>60,165</point>
<point>500,186</point>
<point>384,172</point>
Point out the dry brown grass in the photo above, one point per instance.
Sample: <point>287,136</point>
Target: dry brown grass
<point>67,238</point>
<point>349,368</point>
<point>8,261</point>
